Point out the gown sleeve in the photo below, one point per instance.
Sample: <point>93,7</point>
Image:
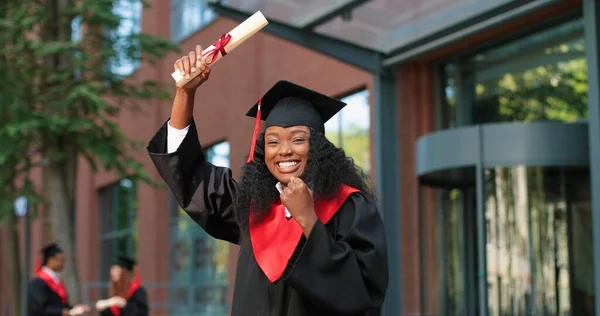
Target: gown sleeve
<point>38,299</point>
<point>206,192</point>
<point>141,302</point>
<point>345,271</point>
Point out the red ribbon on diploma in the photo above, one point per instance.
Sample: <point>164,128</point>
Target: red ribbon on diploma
<point>219,46</point>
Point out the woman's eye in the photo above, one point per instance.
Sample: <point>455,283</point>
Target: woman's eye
<point>299,140</point>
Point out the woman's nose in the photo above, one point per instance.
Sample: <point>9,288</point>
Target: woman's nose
<point>285,150</point>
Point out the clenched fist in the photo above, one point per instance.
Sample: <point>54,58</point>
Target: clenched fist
<point>190,64</point>
<point>298,199</point>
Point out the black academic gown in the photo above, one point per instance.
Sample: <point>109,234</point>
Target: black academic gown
<point>137,305</point>
<point>42,300</point>
<point>341,269</point>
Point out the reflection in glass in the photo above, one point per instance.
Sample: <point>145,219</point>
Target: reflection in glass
<point>453,252</point>
<point>198,262</point>
<point>539,77</point>
<point>430,240</point>
<point>130,12</point>
<point>350,129</point>
<point>118,209</point>
<point>189,16</point>
<point>218,154</point>
<point>539,256</point>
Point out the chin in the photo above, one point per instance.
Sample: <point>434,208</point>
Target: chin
<point>285,178</point>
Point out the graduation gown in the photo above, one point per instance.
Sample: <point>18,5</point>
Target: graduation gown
<point>137,305</point>
<point>43,300</point>
<point>340,269</point>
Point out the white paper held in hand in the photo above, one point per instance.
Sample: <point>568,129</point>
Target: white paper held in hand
<point>227,43</point>
<point>77,311</point>
<point>113,301</point>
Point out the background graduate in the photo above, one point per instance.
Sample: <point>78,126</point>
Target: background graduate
<point>126,283</point>
<point>47,295</point>
<point>303,251</point>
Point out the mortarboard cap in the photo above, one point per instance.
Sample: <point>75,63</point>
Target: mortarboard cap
<point>288,104</point>
<point>125,262</point>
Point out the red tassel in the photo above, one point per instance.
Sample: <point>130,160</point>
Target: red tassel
<point>255,134</point>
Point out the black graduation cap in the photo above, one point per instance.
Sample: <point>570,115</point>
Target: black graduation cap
<point>288,104</point>
<point>125,262</point>
<point>50,251</point>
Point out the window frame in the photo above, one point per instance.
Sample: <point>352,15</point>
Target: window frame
<point>108,199</point>
<point>120,61</point>
<point>458,60</point>
<point>339,143</point>
<point>176,216</point>
<point>178,33</point>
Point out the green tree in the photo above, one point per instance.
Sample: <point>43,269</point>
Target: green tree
<point>554,91</point>
<point>60,96</point>
<point>355,141</point>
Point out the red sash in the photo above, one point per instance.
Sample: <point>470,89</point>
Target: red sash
<point>135,285</point>
<point>274,238</point>
<point>58,288</point>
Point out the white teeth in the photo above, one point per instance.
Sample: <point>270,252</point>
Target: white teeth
<point>287,164</point>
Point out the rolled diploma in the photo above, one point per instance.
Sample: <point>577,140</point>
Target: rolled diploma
<point>104,304</point>
<point>238,35</point>
<point>77,311</point>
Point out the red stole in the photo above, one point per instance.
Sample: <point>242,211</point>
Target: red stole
<point>58,288</point>
<point>274,238</point>
<point>135,285</point>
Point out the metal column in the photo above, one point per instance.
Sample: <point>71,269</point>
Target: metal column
<point>387,175</point>
<point>481,233</point>
<point>591,14</point>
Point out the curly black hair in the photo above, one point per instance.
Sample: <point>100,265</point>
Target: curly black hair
<point>327,169</point>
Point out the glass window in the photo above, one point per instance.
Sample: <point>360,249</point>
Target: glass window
<point>198,262</point>
<point>350,129</point>
<point>539,77</point>
<point>539,244</point>
<point>189,16</point>
<point>452,299</point>
<point>538,240</point>
<point>118,221</point>
<point>444,251</point>
<point>76,37</point>
<point>126,60</point>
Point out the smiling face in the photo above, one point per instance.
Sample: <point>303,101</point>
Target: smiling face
<point>286,151</point>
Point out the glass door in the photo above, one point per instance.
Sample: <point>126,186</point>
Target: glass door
<point>458,240</point>
<point>539,239</point>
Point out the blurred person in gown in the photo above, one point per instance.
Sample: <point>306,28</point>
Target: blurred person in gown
<point>46,293</point>
<point>311,237</point>
<point>125,282</point>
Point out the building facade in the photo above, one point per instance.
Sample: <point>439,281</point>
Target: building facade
<point>478,121</point>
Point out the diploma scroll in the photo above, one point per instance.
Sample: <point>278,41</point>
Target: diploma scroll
<point>113,301</point>
<point>77,311</point>
<point>227,43</point>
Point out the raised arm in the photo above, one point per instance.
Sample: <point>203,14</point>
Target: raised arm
<point>204,191</point>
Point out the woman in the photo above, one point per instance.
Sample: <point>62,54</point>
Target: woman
<point>124,285</point>
<point>311,238</point>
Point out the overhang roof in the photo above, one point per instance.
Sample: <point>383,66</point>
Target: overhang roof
<point>380,25</point>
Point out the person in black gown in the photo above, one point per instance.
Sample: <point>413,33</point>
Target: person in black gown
<point>311,236</point>
<point>46,293</point>
<point>124,283</point>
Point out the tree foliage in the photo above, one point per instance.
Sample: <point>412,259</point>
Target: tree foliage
<point>62,86</point>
